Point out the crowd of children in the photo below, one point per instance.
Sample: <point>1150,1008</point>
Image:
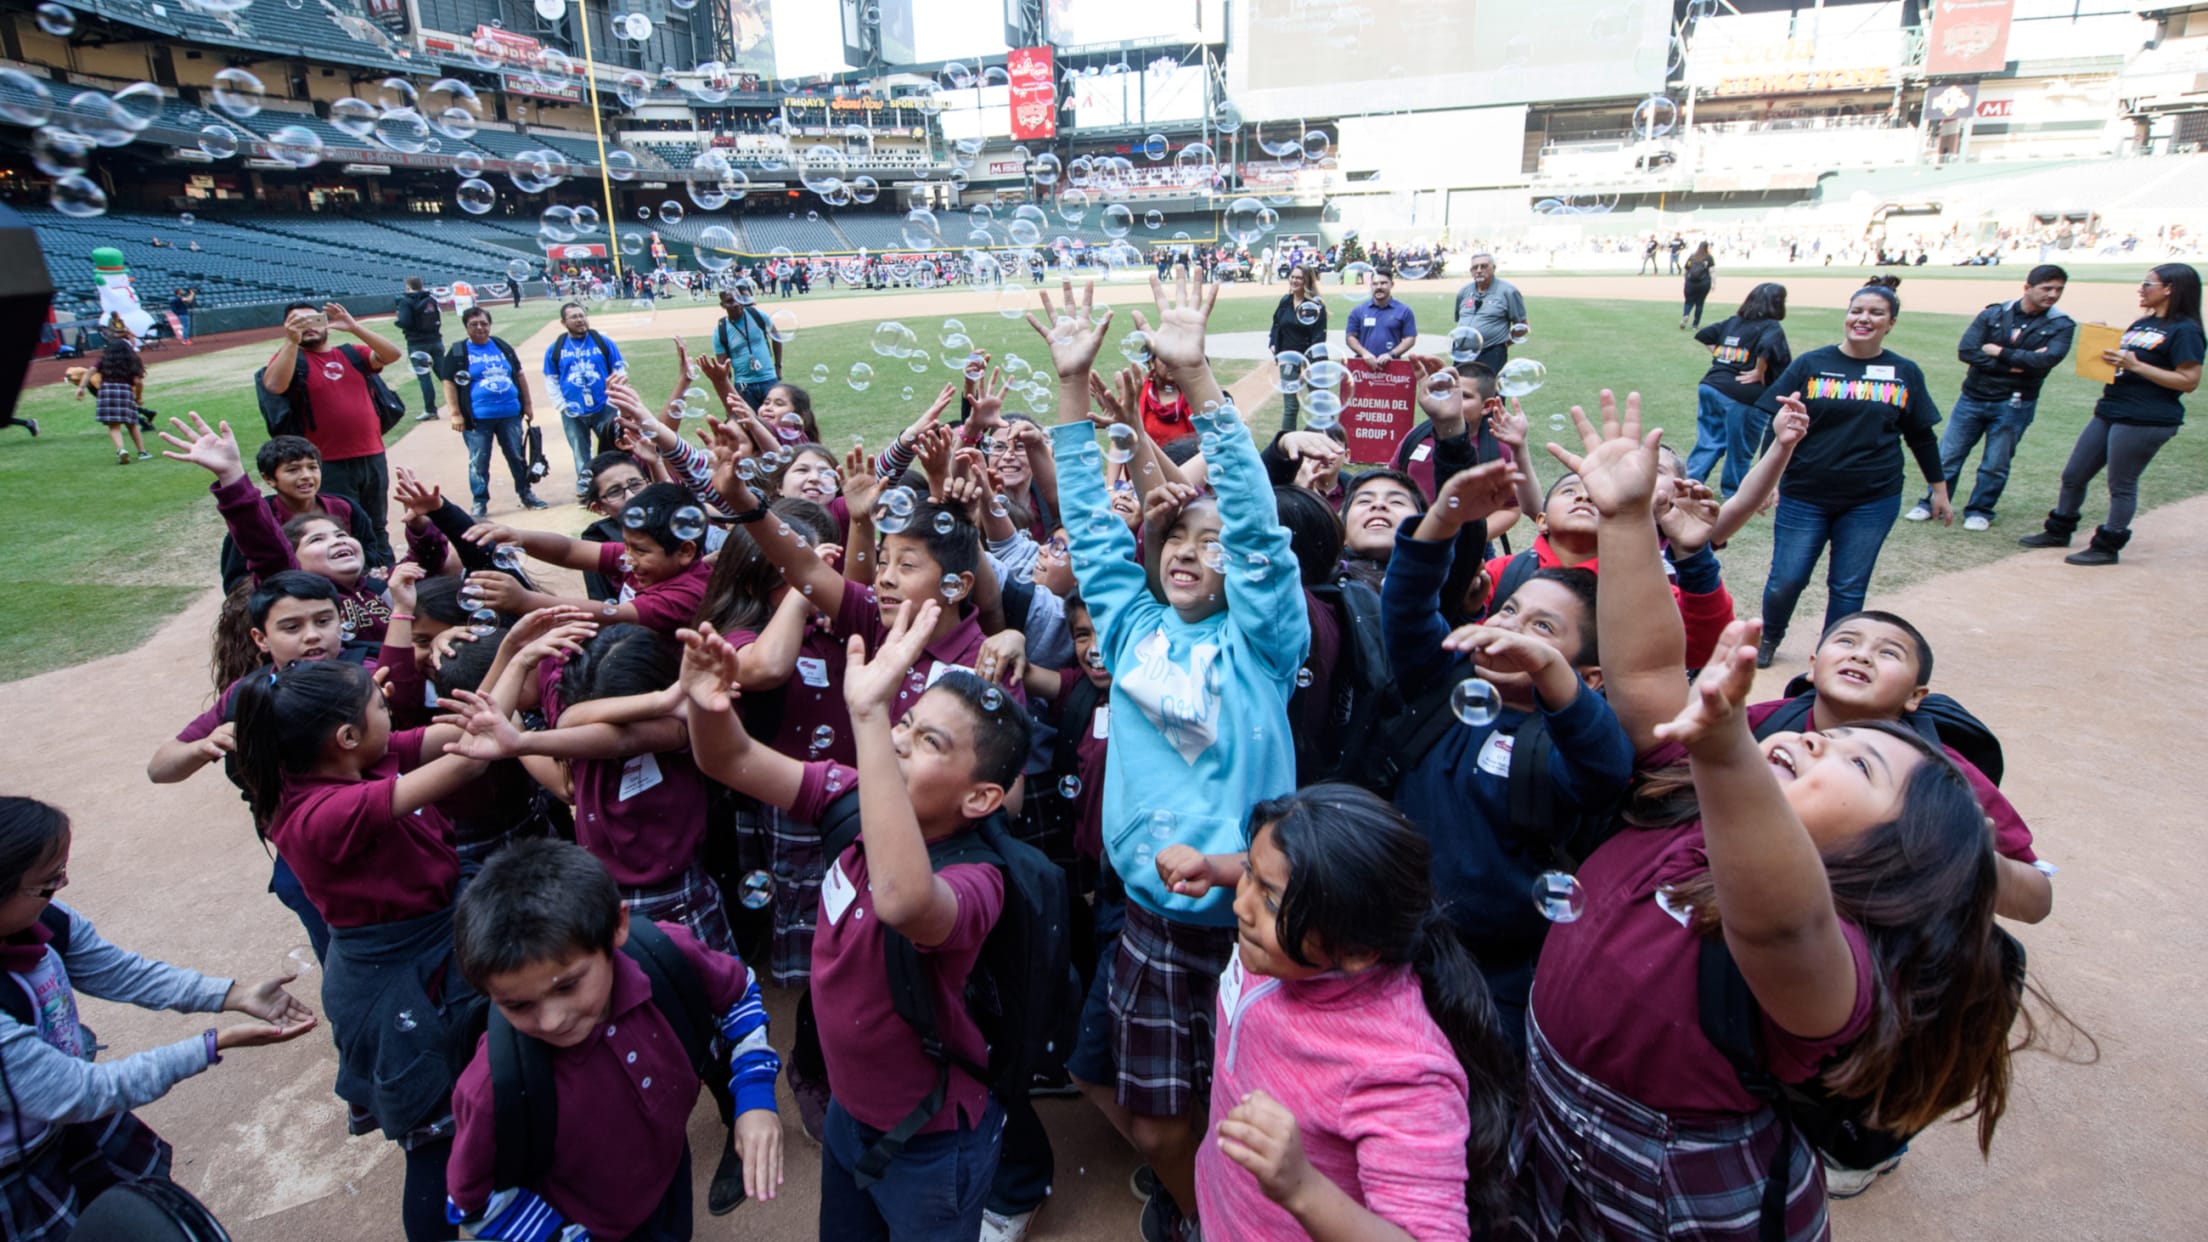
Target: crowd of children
<point>1375,878</point>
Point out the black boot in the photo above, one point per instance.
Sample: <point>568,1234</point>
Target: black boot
<point>2060,526</point>
<point>2102,550</point>
<point>1767,648</point>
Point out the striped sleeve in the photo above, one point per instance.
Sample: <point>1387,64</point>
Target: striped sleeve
<point>752,1063</point>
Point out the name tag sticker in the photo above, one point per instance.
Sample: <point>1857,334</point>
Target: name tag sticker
<point>1100,725</point>
<point>836,893</point>
<point>1422,452</point>
<point>1878,373</point>
<point>936,674</point>
<point>640,773</point>
<point>1495,754</point>
<point>812,671</point>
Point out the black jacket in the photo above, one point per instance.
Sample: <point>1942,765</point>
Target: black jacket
<point>2042,342</point>
<point>420,321</point>
<point>1288,333</point>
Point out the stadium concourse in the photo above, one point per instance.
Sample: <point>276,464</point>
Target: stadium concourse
<point>2105,1152</point>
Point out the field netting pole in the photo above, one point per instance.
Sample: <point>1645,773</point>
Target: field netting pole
<point>598,127</point>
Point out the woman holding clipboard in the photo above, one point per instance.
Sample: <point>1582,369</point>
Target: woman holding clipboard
<point>2157,360</point>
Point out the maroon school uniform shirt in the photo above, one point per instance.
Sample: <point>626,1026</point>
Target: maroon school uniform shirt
<point>208,721</point>
<point>664,606</point>
<point>1631,944</point>
<point>812,699</point>
<point>1089,748</point>
<point>874,1060</point>
<point>861,613</point>
<point>642,816</point>
<point>360,862</point>
<point>345,423</point>
<point>625,1098</point>
<point>366,605</point>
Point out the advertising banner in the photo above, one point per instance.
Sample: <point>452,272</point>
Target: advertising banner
<point>1034,93</point>
<point>1968,36</point>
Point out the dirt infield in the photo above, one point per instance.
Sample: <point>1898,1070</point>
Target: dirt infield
<point>2094,743</point>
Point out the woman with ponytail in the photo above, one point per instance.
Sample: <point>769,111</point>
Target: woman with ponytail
<point>1847,875</point>
<point>1360,1088</point>
<point>351,805</point>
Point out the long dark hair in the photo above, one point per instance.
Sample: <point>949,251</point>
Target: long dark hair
<point>285,717</point>
<point>1314,533</point>
<point>739,593</point>
<point>1765,301</point>
<point>622,660</point>
<point>29,832</point>
<point>2184,285</point>
<point>120,362</point>
<point>1359,882</point>
<point>1947,984</point>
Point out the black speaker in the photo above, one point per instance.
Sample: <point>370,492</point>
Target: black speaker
<point>25,293</point>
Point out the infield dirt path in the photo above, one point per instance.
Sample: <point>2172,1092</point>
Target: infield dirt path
<point>2086,675</point>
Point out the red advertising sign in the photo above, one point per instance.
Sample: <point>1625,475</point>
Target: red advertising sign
<point>1968,36</point>
<point>1034,93</point>
<point>574,250</point>
<point>1382,406</point>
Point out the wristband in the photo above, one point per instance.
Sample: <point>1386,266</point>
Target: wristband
<point>749,516</point>
<point>214,1057</point>
<point>402,616</point>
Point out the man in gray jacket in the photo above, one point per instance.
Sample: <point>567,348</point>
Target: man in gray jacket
<point>422,324</point>
<point>1495,309</point>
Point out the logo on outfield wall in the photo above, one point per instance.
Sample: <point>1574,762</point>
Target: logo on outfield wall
<point>1807,80</point>
<point>1954,101</point>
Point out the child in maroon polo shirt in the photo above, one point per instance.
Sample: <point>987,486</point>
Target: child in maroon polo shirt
<point>661,572</point>
<point>943,765</point>
<point>539,932</point>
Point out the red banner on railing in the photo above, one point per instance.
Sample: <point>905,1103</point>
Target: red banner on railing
<point>1381,408</point>
<point>1034,93</point>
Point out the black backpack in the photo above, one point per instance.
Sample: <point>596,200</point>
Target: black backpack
<point>289,414</point>
<point>525,1107</point>
<point>1939,720</point>
<point>1401,740</point>
<point>152,1209</point>
<point>1020,986</point>
<point>1364,690</point>
<point>1833,1124</point>
<point>13,1000</point>
<point>1049,815</point>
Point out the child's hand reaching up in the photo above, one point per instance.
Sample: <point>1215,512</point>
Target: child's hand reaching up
<point>708,673</point>
<point>1261,1135</point>
<point>870,686</point>
<point>215,447</point>
<point>1508,426</point>
<point>1177,342</point>
<point>1689,519</point>
<point>1075,341</point>
<point>1184,870</point>
<point>1504,651</point>
<point>1162,505</point>
<point>1721,691</point>
<point>403,580</point>
<point>1619,466</point>
<point>417,498</point>
<point>1466,497</point>
<point>485,731</point>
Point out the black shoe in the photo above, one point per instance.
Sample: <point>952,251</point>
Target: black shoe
<point>531,502</point>
<point>727,1192</point>
<point>2093,554</point>
<point>2044,539</point>
<point>32,423</point>
<point>1767,650</point>
<point>481,511</point>
<point>1162,1220</point>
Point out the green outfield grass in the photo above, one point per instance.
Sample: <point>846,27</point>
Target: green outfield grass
<point>97,556</point>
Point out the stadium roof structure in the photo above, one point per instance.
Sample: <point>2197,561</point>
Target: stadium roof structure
<point>335,31</point>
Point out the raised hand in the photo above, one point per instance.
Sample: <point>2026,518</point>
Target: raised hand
<point>1689,518</point>
<point>401,582</point>
<point>1501,650</point>
<point>708,668</point>
<point>499,591</point>
<point>934,455</point>
<point>1508,425</point>
<point>1162,505</point>
<point>1003,658</point>
<point>1619,466</point>
<point>1177,342</point>
<point>1074,343</point>
<point>215,448</point>
<point>417,498</point>
<point>870,686</point>
<point>1791,423</point>
<point>485,731</point>
<point>1720,692</point>
<point>1470,496</point>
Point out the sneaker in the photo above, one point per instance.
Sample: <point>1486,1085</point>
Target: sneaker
<point>122,459</point>
<point>1922,513</point>
<point>727,1191</point>
<point>143,455</point>
<point>1977,521</point>
<point>32,423</point>
<point>1843,1183</point>
<point>481,511</point>
<point>997,1227</point>
<point>1144,1182</point>
<point>1057,1084</point>
<point>1162,1220</point>
<point>531,502</point>
<point>426,416</point>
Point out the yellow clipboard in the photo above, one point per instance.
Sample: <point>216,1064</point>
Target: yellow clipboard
<point>2086,347</point>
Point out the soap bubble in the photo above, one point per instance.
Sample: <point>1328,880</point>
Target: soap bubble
<point>688,522</point>
<point>1161,824</point>
<point>670,212</point>
<point>295,145</point>
<point>1559,896</point>
<point>824,736</point>
<point>507,557</point>
<point>406,1020</point>
<point>300,962</point>
<point>945,523</point>
<point>239,94</point>
<point>56,20</point>
<point>1153,219</point>
<point>1069,787</point>
<point>1322,409</point>
<point>1654,117</point>
<point>1154,147</point>
<point>475,196</point>
<point>482,622</point>
<point>1308,312</point>
<point>1291,367</point>
<point>1326,374</point>
<point>75,195</point>
<point>755,891</point>
<point>422,363</point>
<point>1441,384</point>
<point>1474,702</point>
<point>861,377</point>
<point>1465,344</point>
<point>1245,221</point>
<point>1122,439</point>
<point>1304,678</point>
<point>26,100</point>
<point>218,141</point>
<point>1521,377</point>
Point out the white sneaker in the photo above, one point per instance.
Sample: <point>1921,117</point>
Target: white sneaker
<point>1919,514</point>
<point>1977,521</point>
<point>1000,1228</point>
<point>1848,1183</point>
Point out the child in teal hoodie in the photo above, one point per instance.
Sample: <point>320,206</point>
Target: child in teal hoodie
<point>1198,719</point>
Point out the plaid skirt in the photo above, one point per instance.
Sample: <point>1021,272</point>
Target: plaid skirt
<point>41,1198</point>
<point>691,899</point>
<point>1592,1163</point>
<point>796,861</point>
<point>1165,987</point>
<point>115,405</point>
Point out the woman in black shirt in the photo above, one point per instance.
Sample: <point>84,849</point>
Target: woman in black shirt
<point>1745,351</point>
<point>1699,267</point>
<point>2158,359</point>
<point>1843,486</point>
<point>1290,332</point>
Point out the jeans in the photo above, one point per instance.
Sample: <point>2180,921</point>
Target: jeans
<point>1693,304</point>
<point>584,433</point>
<point>367,480</point>
<point>1728,428</point>
<point>507,433</point>
<point>2002,424</point>
<point>934,1191</point>
<point>755,395</point>
<point>2124,449</point>
<point>1289,409</point>
<point>1800,532</point>
<point>184,320</point>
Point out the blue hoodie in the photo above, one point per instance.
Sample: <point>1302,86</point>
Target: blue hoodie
<point>1199,720</point>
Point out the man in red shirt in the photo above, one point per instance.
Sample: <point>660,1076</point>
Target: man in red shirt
<point>339,412</point>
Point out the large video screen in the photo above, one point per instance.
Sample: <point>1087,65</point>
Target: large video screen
<point>1107,100</point>
<point>922,32</point>
<point>786,38</point>
<point>1295,58</point>
<point>1085,23</point>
